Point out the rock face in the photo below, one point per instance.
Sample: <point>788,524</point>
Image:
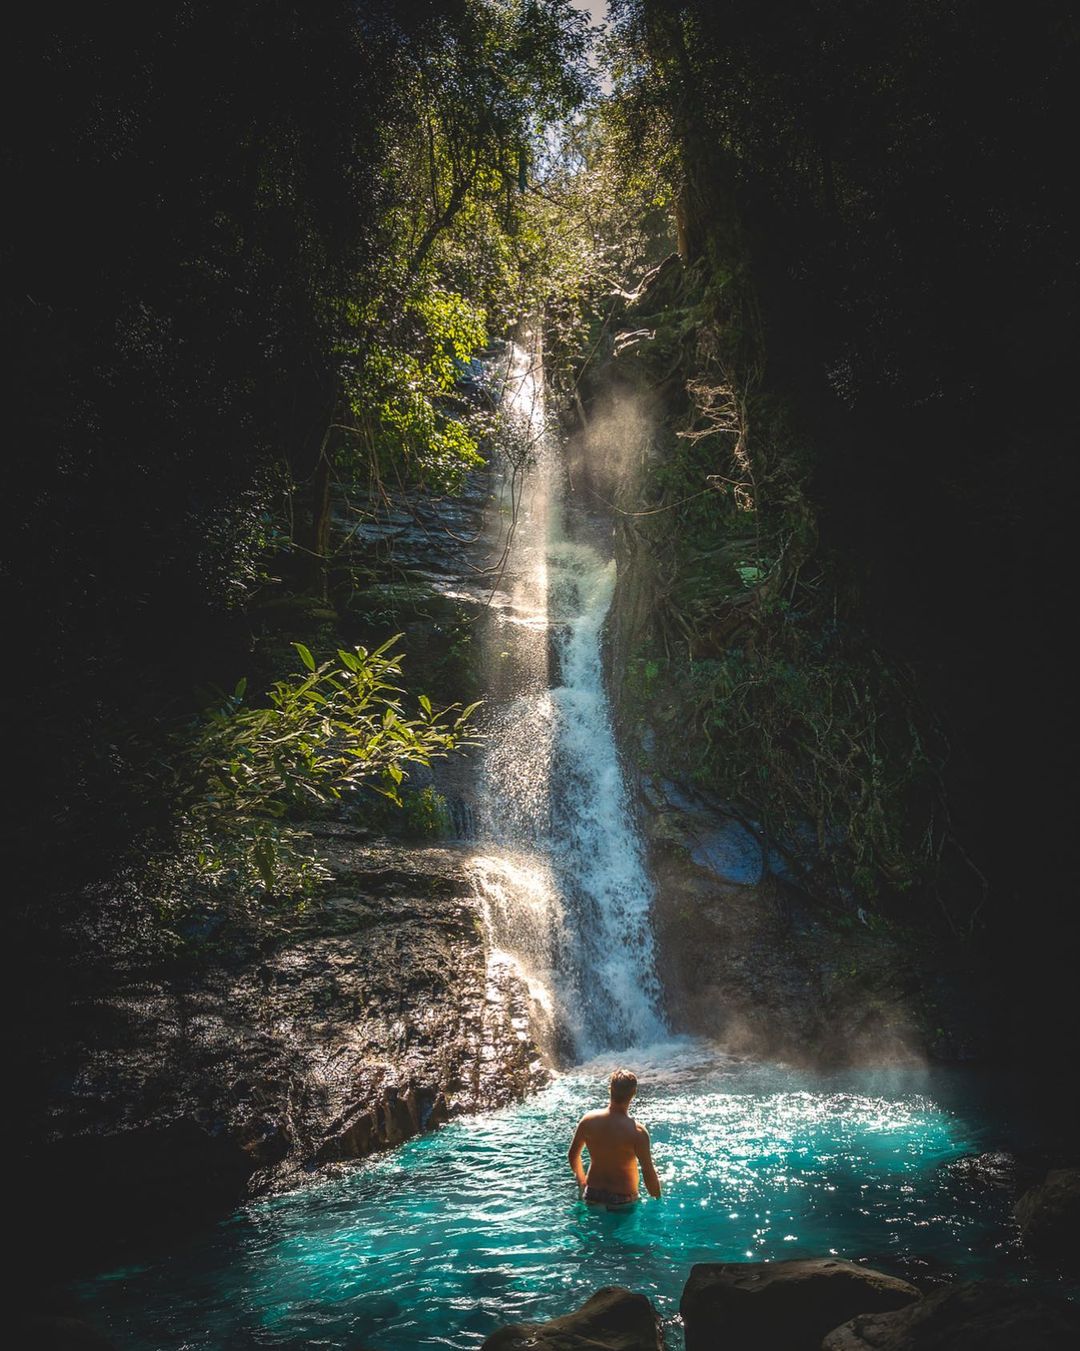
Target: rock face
<point>372,1015</point>
<point>1049,1218</point>
<point>965,1318</point>
<point>781,1306</point>
<point>747,957</point>
<point>614,1319</point>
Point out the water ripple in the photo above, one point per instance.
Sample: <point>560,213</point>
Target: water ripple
<point>478,1224</point>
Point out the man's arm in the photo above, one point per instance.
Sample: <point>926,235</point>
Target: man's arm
<point>577,1144</point>
<point>643,1148</point>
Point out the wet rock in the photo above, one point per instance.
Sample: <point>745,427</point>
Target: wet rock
<point>754,962</point>
<point>730,851</point>
<point>763,971</point>
<point>971,1317</point>
<point>781,1306</point>
<point>313,1039</point>
<point>422,546</point>
<point>1049,1218</point>
<point>613,1319</point>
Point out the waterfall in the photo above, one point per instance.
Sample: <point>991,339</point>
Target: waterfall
<point>561,867</point>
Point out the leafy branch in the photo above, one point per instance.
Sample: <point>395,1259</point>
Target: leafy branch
<point>323,733</point>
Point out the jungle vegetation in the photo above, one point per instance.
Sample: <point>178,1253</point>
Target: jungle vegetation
<point>877,329</point>
<point>256,244</point>
<point>255,247</point>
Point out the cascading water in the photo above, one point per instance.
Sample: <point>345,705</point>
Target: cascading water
<point>479,1224</point>
<point>562,872</point>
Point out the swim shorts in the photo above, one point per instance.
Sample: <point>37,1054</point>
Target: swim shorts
<point>597,1196</point>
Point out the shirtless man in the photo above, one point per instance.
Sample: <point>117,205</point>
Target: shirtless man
<point>616,1145</point>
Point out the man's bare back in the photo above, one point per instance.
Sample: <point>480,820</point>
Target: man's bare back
<point>618,1145</point>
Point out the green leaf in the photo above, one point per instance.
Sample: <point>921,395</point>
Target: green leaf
<point>263,854</point>
<point>388,644</point>
<point>320,733</point>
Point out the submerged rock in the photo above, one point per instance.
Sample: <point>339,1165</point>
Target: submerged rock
<point>613,1319</point>
<point>781,1306</point>
<point>972,1317</point>
<point>1049,1218</point>
<point>368,1017</point>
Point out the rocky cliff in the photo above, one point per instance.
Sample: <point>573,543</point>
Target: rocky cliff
<point>292,1045</point>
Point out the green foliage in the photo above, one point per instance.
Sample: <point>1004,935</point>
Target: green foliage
<point>393,395</point>
<point>828,737</point>
<point>762,689</point>
<point>421,814</point>
<point>456,251</point>
<point>271,283</point>
<point>249,771</point>
<point>426,813</point>
<point>829,749</point>
<point>596,218</point>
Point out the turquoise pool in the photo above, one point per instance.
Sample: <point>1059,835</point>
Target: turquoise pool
<point>458,1232</point>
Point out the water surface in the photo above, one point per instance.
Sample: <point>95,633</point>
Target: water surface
<point>478,1225</point>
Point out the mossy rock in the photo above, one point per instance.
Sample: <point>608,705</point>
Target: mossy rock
<point>399,594</point>
<point>299,614</point>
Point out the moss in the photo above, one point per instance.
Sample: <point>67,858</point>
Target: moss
<point>291,612</point>
<point>395,597</point>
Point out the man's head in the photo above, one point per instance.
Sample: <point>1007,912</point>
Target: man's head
<point>623,1085</point>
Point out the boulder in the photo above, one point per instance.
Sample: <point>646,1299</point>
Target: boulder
<point>781,1306</point>
<point>972,1317</point>
<point>1049,1218</point>
<point>614,1319</point>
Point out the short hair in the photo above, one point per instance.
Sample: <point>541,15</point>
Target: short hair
<point>623,1085</point>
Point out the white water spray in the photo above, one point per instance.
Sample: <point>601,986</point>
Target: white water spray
<point>563,873</point>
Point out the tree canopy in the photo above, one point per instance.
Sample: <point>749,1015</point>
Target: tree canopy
<point>253,248</point>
